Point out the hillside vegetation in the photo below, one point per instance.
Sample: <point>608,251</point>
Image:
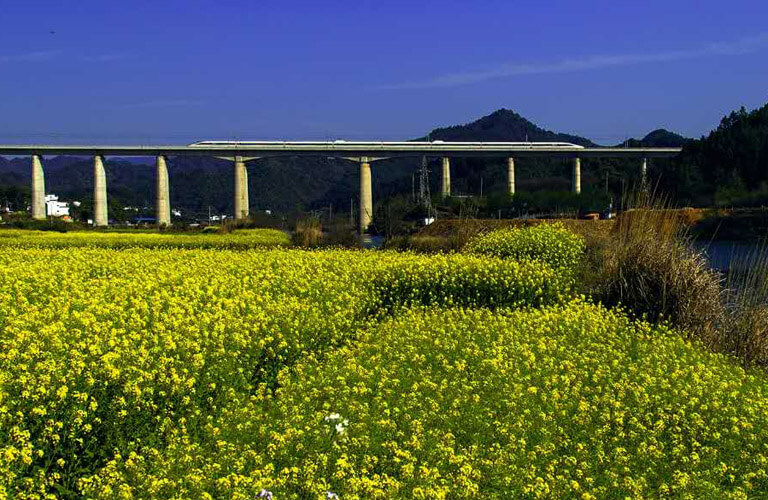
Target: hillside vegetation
<point>727,167</point>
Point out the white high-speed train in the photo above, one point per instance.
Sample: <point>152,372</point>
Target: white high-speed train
<point>386,145</point>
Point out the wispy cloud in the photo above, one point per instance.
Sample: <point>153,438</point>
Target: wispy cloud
<point>740,46</point>
<point>104,58</point>
<point>48,55</point>
<point>38,56</point>
<point>159,103</point>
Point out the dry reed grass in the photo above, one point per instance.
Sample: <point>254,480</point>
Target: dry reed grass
<point>745,326</point>
<point>647,264</point>
<point>308,233</point>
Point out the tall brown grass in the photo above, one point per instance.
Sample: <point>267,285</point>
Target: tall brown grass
<point>422,243</point>
<point>745,326</point>
<point>648,265</point>
<point>308,233</point>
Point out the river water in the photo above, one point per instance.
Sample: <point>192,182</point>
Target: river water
<point>723,255</point>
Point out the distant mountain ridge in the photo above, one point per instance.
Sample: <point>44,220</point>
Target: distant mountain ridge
<point>659,138</point>
<point>504,125</point>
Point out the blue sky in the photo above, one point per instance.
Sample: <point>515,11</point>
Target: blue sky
<point>173,71</point>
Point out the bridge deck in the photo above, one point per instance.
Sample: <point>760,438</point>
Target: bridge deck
<point>345,149</point>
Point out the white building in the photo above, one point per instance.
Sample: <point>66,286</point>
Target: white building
<point>54,207</point>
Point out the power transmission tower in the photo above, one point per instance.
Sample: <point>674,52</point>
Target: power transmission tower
<point>425,200</point>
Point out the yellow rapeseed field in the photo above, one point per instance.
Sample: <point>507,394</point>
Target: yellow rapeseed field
<point>239,239</point>
<point>177,371</point>
<point>550,243</point>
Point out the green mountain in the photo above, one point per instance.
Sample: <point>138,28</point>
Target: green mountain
<point>501,126</point>
<point>659,138</point>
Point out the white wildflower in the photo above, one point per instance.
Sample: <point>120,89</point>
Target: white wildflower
<point>341,427</point>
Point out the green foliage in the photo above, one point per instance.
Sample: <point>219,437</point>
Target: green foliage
<point>736,194</point>
<point>552,244</point>
<point>559,201</point>
<point>728,159</point>
<point>55,225</point>
<point>396,215</point>
<point>13,196</point>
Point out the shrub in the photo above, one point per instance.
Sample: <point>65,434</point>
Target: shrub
<point>550,243</point>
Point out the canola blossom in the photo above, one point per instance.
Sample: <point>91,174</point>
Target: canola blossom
<point>549,243</point>
<point>239,239</point>
<point>104,352</point>
<point>559,402</point>
<point>130,369</point>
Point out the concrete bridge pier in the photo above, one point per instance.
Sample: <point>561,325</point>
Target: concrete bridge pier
<point>511,175</point>
<point>100,217</point>
<point>644,171</point>
<point>38,188</point>
<point>162,200</point>
<point>446,184</point>
<point>366,195</point>
<point>241,189</point>
<point>240,195</point>
<point>246,203</point>
<point>576,178</point>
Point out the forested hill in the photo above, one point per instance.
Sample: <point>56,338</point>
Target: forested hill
<point>659,138</point>
<point>727,167</point>
<point>501,126</point>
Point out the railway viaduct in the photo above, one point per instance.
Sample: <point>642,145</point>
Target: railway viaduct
<point>362,153</point>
